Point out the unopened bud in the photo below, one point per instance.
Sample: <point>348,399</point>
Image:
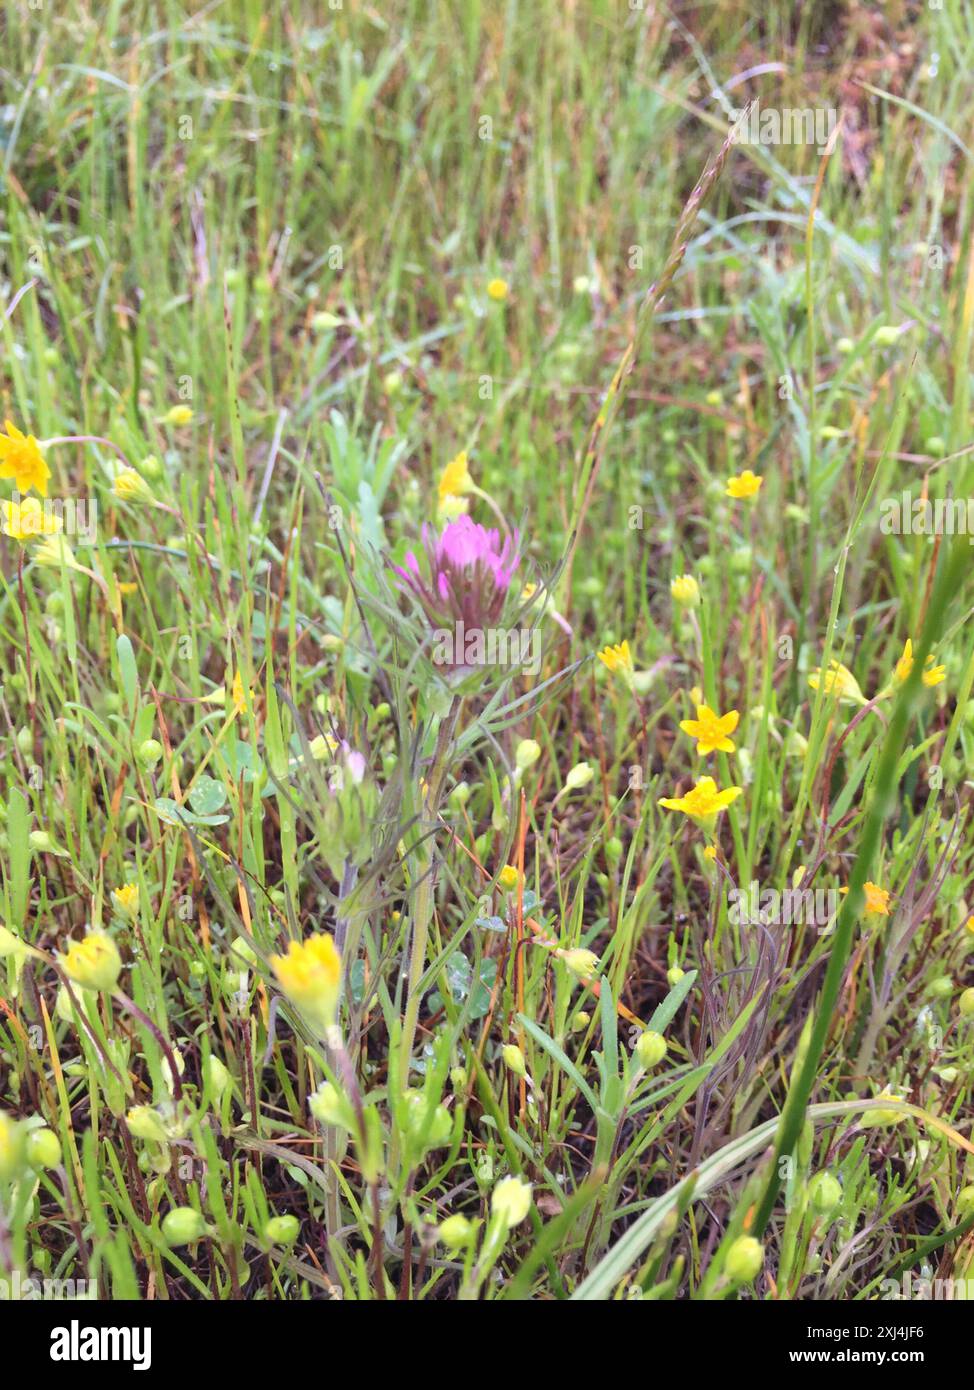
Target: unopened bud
<point>182,1226</point>
<point>745,1259</point>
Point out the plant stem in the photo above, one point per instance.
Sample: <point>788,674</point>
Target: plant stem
<point>423,911</point>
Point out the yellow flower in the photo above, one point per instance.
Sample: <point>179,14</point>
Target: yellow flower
<point>685,591</point>
<point>21,459</point>
<point>969,925</point>
<point>28,520</point>
<point>310,975</point>
<point>497,290</point>
<point>932,675</point>
<point>240,697</point>
<point>130,486</point>
<point>617,658</point>
<point>746,484</point>
<point>704,803</point>
<point>178,415</point>
<point>455,478</point>
<point>710,853</point>
<point>126,899</point>
<point>839,681</point>
<point>508,878</point>
<point>711,730</point>
<point>93,962</point>
<point>877,899</point>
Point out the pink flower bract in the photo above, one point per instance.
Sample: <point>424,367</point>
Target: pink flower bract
<point>470,569</point>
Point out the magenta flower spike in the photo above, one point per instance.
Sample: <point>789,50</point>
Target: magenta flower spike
<point>467,577</point>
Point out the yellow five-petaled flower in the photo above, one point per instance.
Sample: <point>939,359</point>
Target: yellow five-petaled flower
<point>617,658</point>
<point>932,675</point>
<point>22,460</point>
<point>704,802</point>
<point>28,520</point>
<point>712,731</point>
<point>839,681</point>
<point>310,975</point>
<point>877,899</point>
<point>746,484</point>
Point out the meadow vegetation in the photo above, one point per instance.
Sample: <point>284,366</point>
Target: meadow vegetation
<point>485,766</point>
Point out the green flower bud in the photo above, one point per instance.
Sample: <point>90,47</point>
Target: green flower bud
<point>824,1193</point>
<point>282,1230</point>
<point>11,945</point>
<point>941,988</point>
<point>217,1075</point>
<point>613,850</point>
<point>650,1049</point>
<point>12,1146</point>
<point>330,1107</point>
<point>744,1260</point>
<point>527,754</point>
<point>579,776</point>
<point>457,1231</point>
<point>845,346</point>
<point>182,1226</point>
<point>146,1123</point>
<point>674,975</point>
<point>514,1058</point>
<point>966,1003</point>
<point>887,335</point>
<point>511,1201</point>
<point>43,1148</point>
<point>581,962</point>
<point>149,752</point>
<point>438,1130</point>
<point>965,1202</point>
<point>242,952</point>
